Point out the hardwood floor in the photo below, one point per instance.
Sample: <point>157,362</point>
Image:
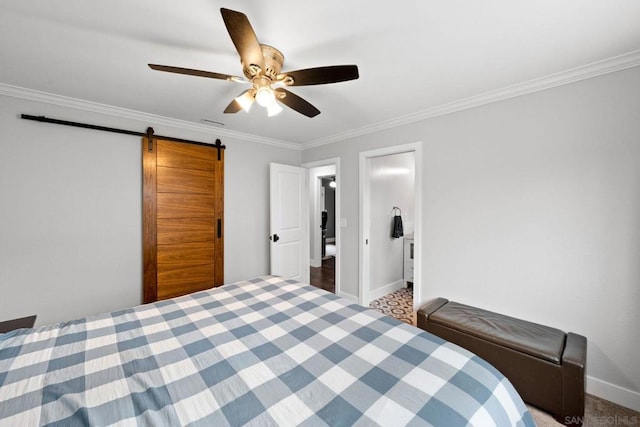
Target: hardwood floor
<point>325,277</point>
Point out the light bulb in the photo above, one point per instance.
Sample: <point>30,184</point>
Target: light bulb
<point>245,100</point>
<point>265,96</point>
<point>333,184</point>
<point>273,109</point>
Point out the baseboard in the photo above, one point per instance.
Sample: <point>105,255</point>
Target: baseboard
<point>386,289</point>
<point>315,262</point>
<point>350,297</point>
<point>614,393</point>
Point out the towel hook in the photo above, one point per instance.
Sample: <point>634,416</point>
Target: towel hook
<point>393,211</point>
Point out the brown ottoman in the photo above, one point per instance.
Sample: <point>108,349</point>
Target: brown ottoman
<point>545,365</point>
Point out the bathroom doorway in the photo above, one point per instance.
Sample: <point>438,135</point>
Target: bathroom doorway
<point>390,186</point>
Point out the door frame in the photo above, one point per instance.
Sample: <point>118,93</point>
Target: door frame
<point>334,161</point>
<point>365,218</point>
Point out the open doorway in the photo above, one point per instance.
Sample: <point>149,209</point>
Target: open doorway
<point>390,187</point>
<point>324,220</point>
<point>328,216</point>
<point>323,275</point>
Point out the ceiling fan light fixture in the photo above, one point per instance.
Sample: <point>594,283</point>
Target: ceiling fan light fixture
<point>245,100</point>
<point>265,96</point>
<point>273,109</point>
<point>262,69</point>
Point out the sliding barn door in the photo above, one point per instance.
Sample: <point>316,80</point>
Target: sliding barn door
<point>183,196</point>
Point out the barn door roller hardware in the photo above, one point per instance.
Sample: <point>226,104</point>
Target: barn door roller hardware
<point>148,134</point>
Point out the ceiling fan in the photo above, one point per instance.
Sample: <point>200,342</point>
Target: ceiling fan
<point>262,65</point>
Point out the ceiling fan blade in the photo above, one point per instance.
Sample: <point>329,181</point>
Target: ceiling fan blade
<point>243,37</point>
<point>323,75</point>
<point>193,72</point>
<point>293,101</point>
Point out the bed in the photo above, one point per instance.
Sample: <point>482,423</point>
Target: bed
<point>266,351</point>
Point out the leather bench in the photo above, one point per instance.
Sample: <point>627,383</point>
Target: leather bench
<point>544,364</point>
<point>23,322</point>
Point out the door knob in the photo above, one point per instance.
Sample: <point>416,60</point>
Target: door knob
<point>275,238</point>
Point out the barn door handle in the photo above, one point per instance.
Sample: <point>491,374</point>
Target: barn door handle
<point>275,238</point>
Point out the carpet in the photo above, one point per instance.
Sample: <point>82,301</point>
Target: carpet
<point>597,413</point>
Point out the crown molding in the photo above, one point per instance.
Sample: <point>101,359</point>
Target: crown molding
<point>110,110</point>
<point>594,69</point>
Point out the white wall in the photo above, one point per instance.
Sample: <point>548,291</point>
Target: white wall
<point>531,207</point>
<point>246,209</point>
<point>391,183</point>
<point>70,211</point>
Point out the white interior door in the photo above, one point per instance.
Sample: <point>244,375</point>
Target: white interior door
<point>289,222</point>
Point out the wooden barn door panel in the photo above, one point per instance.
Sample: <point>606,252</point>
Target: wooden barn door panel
<point>185,254</point>
<point>173,180</point>
<point>182,214</point>
<point>185,206</point>
<point>182,281</point>
<point>186,156</point>
<point>183,230</point>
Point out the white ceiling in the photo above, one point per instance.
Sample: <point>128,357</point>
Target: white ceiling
<point>413,56</point>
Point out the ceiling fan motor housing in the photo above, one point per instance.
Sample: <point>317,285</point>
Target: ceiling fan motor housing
<point>273,60</point>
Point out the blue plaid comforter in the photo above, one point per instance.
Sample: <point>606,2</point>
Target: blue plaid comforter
<point>262,352</point>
